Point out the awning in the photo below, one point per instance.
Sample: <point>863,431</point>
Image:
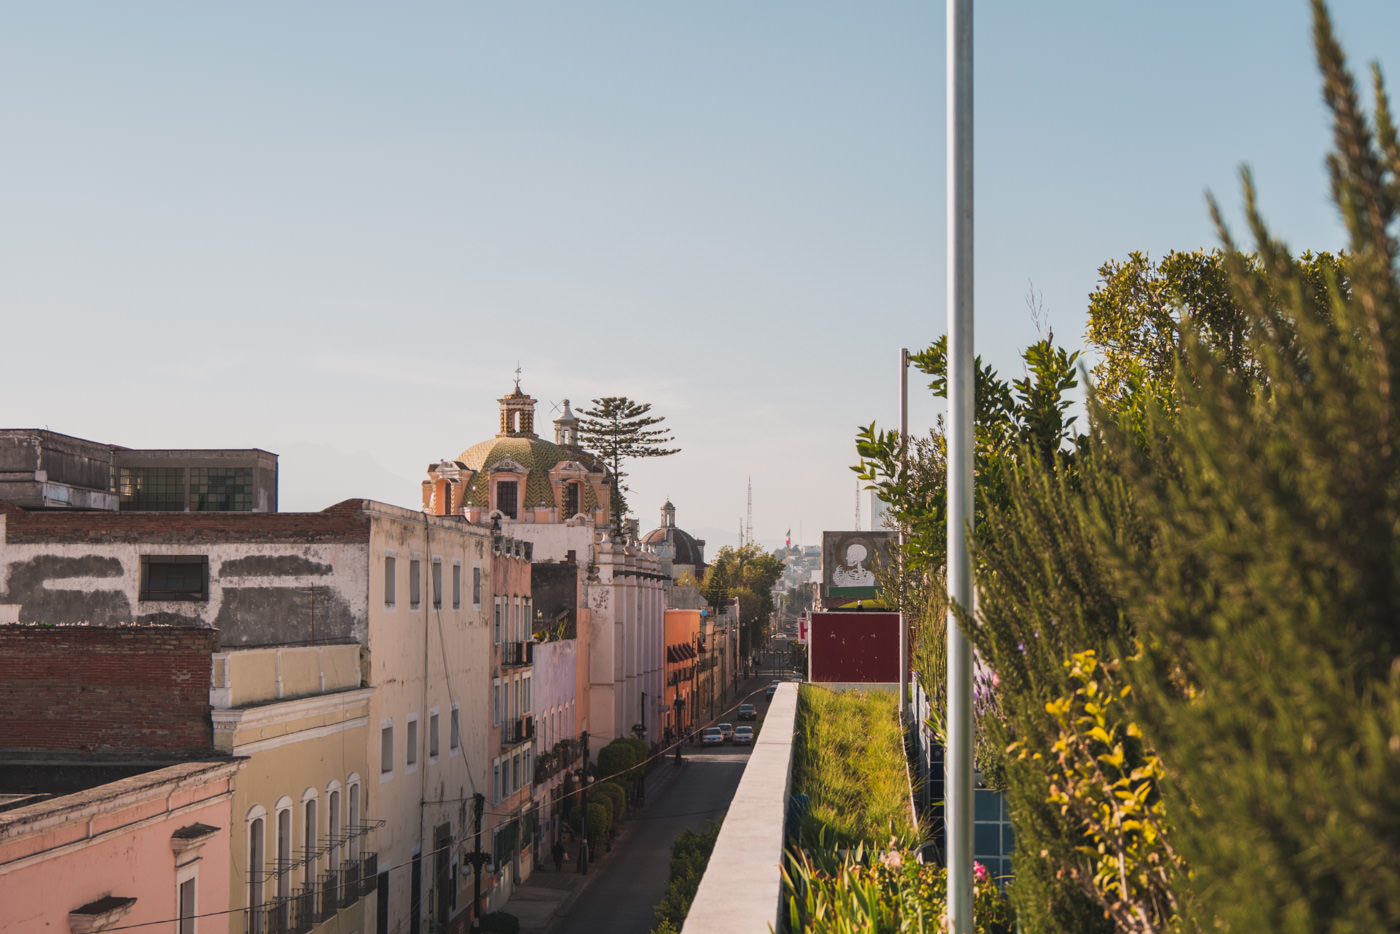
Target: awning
<point>675,654</point>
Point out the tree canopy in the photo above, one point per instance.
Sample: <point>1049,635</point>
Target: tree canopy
<point>749,573</point>
<point>618,430</point>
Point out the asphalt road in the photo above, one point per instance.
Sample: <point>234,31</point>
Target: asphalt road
<point>633,879</point>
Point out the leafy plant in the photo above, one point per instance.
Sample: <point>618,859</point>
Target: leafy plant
<point>881,893</point>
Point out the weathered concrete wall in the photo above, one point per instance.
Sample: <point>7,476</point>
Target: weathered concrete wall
<point>136,690</point>
<point>273,578</point>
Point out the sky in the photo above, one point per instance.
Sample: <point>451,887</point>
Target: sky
<point>333,231</point>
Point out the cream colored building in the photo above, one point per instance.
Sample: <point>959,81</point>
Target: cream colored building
<point>303,850</point>
<point>430,717</point>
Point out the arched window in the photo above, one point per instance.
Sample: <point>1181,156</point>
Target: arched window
<point>309,838</point>
<point>256,824</point>
<point>283,865</point>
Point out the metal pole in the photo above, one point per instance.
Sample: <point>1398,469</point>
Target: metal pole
<point>961,386</point>
<point>903,468</point>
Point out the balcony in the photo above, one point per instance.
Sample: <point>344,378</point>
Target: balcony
<point>351,877</point>
<point>517,731</point>
<point>517,654</point>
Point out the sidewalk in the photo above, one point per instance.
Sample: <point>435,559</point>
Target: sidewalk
<point>543,900</point>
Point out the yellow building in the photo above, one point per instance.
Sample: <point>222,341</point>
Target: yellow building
<point>303,853</point>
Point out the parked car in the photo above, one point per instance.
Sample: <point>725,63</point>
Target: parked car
<point>726,730</point>
<point>711,736</point>
<point>772,689</point>
<point>743,735</point>
<point>748,712</point>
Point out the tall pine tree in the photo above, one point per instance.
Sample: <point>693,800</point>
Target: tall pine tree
<point>618,430</point>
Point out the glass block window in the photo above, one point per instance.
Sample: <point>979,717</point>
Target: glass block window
<point>221,489</point>
<point>152,488</point>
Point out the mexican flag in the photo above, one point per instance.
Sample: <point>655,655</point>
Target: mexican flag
<point>789,539</point>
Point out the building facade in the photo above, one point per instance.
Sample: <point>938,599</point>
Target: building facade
<point>557,496</point>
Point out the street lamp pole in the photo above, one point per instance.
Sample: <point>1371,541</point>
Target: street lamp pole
<point>961,403</point>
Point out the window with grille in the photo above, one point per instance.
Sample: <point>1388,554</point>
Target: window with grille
<point>152,488</point>
<point>174,577</point>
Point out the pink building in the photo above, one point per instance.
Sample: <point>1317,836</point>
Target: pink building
<point>151,847</point>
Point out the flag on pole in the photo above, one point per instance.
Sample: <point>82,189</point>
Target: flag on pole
<point>789,539</point>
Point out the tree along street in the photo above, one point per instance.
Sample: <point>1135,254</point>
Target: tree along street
<point>633,878</point>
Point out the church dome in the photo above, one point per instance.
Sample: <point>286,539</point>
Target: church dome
<point>520,475</point>
<point>684,548</point>
<point>536,455</point>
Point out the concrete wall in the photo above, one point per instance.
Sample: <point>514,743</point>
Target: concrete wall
<point>273,578</point>
<point>131,690</point>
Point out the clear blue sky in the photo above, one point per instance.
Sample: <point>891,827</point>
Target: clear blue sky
<point>332,230</point>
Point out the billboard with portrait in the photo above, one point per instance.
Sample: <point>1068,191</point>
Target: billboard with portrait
<point>849,562</point>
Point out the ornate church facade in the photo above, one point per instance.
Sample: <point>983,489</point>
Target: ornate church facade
<point>558,497</point>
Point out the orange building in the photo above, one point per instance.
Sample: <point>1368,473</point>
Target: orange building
<point>682,630</point>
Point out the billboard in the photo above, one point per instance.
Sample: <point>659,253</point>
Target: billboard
<point>854,648</point>
<point>849,560</point>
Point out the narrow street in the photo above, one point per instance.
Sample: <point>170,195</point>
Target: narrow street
<point>634,876</point>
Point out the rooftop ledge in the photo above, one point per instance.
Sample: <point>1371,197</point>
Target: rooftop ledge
<point>742,889</point>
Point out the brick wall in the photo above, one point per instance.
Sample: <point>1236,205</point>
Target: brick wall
<point>343,522</point>
<point>89,689</point>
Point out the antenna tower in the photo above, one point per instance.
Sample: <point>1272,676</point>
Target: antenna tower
<point>748,527</point>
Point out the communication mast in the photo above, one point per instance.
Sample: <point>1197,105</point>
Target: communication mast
<point>748,528</point>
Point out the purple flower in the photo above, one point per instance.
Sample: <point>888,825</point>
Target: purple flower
<point>979,872</point>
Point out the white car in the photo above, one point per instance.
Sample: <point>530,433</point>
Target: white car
<point>743,735</point>
<point>711,736</point>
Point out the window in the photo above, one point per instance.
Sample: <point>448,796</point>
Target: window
<point>308,839</point>
<point>507,495</point>
<point>432,736</point>
<point>498,621</point>
<point>454,731</point>
<point>415,583</point>
<point>221,489</point>
<point>187,908</point>
<point>456,585</point>
<point>174,577</point>
<point>437,583</point>
<point>257,860</point>
<point>352,825</point>
<point>571,499</point>
<point>495,780</point>
<point>386,748</point>
<point>411,737</point>
<point>284,854</point>
<point>152,488</point>
<point>334,835</point>
<point>476,585</point>
<point>390,577</point>
<point>496,702</point>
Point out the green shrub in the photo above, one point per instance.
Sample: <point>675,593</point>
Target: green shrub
<point>616,759</point>
<point>599,821</point>
<point>616,797</point>
<point>690,854</point>
<point>642,751</point>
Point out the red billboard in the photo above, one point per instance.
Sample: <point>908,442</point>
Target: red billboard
<point>854,648</point>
